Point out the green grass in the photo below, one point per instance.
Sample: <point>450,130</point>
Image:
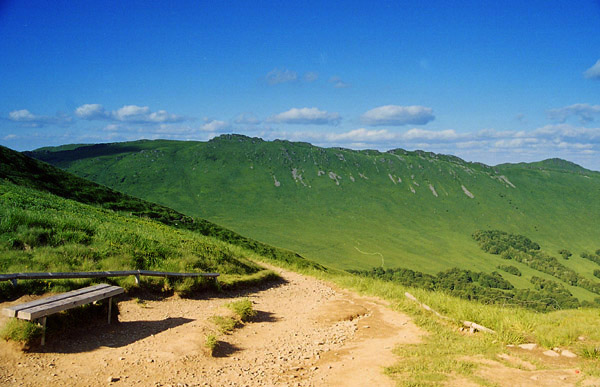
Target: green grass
<point>22,331</point>
<point>211,343</point>
<point>591,352</point>
<point>242,308</point>
<point>40,232</point>
<point>225,325</point>
<point>243,312</point>
<point>362,223</point>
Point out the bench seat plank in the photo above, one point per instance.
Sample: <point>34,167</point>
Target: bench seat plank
<point>72,302</point>
<point>44,307</point>
<point>11,311</point>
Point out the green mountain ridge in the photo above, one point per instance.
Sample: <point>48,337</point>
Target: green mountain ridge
<point>357,209</point>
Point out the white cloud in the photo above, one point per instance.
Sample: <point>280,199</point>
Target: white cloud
<point>593,72</point>
<point>215,126</point>
<point>163,116</point>
<point>91,111</point>
<point>308,116</point>
<point>583,111</point>
<point>21,115</point>
<point>277,76</point>
<point>247,119</point>
<point>398,115</point>
<point>338,83</point>
<point>27,118</point>
<point>131,113</point>
<point>10,137</point>
<point>128,113</point>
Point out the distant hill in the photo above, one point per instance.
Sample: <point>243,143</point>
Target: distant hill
<point>357,209</point>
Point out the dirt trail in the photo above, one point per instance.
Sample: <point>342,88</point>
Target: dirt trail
<point>306,333</point>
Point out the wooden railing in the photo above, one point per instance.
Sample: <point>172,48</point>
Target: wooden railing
<point>14,277</point>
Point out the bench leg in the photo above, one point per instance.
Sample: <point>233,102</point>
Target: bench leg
<point>137,279</point>
<point>109,308</point>
<point>13,281</point>
<point>43,330</point>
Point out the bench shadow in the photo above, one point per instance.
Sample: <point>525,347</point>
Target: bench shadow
<point>225,349</point>
<point>95,335</point>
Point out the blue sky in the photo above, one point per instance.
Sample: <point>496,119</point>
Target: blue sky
<point>493,81</point>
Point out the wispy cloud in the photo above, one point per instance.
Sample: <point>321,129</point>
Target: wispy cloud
<point>338,83</point>
<point>283,75</point>
<point>394,115</point>
<point>311,76</point>
<point>583,111</point>
<point>127,113</point>
<point>305,115</point>
<point>26,118</point>
<point>593,72</point>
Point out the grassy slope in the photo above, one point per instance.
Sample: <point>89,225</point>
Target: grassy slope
<point>43,232</point>
<point>362,223</point>
<point>27,172</point>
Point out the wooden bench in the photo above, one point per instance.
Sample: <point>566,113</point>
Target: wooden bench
<point>40,309</point>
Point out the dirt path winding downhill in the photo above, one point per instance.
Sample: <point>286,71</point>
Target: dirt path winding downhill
<point>306,333</point>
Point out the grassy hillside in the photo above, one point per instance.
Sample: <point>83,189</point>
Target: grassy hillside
<point>41,232</point>
<point>358,209</point>
<point>24,171</point>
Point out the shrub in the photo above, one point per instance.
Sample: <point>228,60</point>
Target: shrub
<point>510,269</point>
<point>565,253</point>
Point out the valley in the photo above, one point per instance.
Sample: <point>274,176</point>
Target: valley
<point>358,209</point>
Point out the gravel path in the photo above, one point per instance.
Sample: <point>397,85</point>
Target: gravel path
<point>306,332</point>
